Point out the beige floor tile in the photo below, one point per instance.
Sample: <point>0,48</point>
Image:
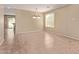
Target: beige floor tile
<point>39,42</point>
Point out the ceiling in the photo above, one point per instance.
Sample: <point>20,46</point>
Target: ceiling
<point>32,7</point>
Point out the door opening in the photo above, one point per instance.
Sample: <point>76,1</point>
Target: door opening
<point>9,27</point>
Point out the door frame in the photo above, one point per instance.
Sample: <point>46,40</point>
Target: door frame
<point>6,24</point>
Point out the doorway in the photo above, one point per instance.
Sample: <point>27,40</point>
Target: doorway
<point>9,27</point>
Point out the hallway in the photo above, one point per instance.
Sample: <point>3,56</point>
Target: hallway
<point>40,42</point>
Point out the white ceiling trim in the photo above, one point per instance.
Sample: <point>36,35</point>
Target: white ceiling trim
<point>32,7</point>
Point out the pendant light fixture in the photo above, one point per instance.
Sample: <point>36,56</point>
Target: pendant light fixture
<point>36,15</point>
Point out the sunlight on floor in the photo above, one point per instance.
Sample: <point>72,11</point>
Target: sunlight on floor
<point>10,35</point>
<point>48,41</point>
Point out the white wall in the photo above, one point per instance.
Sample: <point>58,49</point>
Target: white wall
<point>9,11</point>
<point>1,24</point>
<point>25,22</point>
<point>67,21</point>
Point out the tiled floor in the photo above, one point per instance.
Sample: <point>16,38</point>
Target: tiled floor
<point>40,42</point>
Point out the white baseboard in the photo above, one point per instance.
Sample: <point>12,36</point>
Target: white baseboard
<point>71,37</point>
<point>29,32</point>
<point>67,36</point>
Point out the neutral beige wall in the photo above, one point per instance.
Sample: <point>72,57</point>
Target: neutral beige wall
<point>25,23</point>
<point>1,24</point>
<point>67,21</point>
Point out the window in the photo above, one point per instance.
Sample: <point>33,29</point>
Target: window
<point>49,20</point>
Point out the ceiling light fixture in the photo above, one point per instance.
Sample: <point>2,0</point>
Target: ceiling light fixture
<point>36,16</point>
